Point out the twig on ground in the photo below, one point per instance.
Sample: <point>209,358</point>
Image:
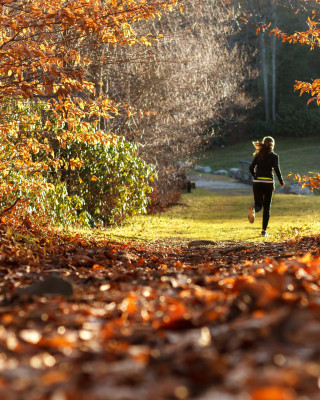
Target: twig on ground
<point>6,210</point>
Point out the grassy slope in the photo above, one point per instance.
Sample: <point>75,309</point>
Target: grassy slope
<point>204,214</point>
<point>209,215</point>
<point>297,155</point>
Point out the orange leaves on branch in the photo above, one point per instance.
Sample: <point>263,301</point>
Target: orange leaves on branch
<point>262,28</point>
<point>75,163</point>
<point>47,101</point>
<point>312,180</point>
<point>311,38</point>
<point>41,44</point>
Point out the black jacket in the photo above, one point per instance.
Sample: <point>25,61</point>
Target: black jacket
<point>262,168</point>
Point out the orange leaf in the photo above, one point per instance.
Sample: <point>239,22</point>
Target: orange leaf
<point>57,342</point>
<point>97,267</point>
<point>54,377</point>
<point>310,100</point>
<point>74,238</point>
<point>273,393</point>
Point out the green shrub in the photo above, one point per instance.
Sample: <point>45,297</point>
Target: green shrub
<point>41,201</point>
<point>293,120</point>
<point>299,121</point>
<point>113,182</point>
<point>111,185</point>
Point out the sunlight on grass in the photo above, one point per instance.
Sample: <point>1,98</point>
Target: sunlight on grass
<point>208,215</point>
<point>205,214</point>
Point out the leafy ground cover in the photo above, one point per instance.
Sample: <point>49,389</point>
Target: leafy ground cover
<point>297,155</point>
<point>197,316</point>
<point>220,320</point>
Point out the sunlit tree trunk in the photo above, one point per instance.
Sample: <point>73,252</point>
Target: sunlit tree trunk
<point>264,67</point>
<point>274,67</point>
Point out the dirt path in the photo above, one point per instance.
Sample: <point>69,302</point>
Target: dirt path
<point>201,320</point>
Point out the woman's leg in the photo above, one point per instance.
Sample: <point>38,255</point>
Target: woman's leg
<point>267,199</point>
<point>258,194</point>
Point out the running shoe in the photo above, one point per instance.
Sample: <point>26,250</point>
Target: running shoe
<point>264,234</point>
<point>251,214</point>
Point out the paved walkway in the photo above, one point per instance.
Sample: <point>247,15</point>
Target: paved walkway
<point>225,186</point>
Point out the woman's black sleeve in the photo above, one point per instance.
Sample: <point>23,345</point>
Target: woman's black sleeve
<point>276,168</point>
<point>252,166</point>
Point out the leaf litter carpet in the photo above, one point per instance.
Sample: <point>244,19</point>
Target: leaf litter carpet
<point>84,319</point>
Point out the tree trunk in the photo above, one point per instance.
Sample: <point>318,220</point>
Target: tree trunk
<point>274,66</point>
<point>265,76</point>
<point>274,53</point>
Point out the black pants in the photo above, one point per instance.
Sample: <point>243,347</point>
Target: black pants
<point>262,193</point>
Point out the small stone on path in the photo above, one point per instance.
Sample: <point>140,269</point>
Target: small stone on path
<point>52,285</point>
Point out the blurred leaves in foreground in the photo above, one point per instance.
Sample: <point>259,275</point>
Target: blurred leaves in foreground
<point>84,318</point>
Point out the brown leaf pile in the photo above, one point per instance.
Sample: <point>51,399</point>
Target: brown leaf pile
<point>82,320</point>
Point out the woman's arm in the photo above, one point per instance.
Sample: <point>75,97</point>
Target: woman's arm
<point>277,170</point>
<point>252,166</point>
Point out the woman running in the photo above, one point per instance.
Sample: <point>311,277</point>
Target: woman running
<point>264,163</point>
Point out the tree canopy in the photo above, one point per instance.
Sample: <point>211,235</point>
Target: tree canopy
<point>47,100</point>
<point>311,38</point>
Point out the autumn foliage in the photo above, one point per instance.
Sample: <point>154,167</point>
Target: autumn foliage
<point>44,59</point>
<point>310,37</point>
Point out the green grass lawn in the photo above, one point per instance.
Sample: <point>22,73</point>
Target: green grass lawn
<point>205,214</point>
<point>297,155</point>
